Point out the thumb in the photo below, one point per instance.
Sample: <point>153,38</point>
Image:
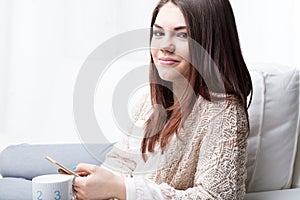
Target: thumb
<point>86,168</point>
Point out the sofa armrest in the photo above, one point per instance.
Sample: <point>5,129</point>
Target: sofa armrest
<point>27,161</point>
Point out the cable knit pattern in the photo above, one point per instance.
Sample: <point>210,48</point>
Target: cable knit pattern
<point>207,160</point>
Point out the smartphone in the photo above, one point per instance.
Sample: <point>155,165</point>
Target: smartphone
<point>60,166</point>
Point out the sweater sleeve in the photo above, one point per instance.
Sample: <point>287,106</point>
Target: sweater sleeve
<point>125,155</point>
<point>221,168</point>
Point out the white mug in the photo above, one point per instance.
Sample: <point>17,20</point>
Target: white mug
<point>52,187</point>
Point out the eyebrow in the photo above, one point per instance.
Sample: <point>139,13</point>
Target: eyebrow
<point>175,29</point>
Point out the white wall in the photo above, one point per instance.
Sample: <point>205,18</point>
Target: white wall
<point>269,30</point>
<point>3,61</point>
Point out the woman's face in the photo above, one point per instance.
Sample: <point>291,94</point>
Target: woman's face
<point>169,45</point>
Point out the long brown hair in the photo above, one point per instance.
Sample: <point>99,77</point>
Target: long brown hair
<point>211,24</point>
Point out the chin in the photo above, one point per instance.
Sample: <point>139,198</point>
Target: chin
<point>166,76</point>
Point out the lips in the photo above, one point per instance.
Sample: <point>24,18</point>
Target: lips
<point>167,61</point>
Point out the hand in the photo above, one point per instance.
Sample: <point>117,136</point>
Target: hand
<point>98,183</point>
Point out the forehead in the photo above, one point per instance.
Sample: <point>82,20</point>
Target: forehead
<point>170,16</point>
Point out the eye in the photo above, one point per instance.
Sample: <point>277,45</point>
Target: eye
<point>158,33</point>
<point>182,35</point>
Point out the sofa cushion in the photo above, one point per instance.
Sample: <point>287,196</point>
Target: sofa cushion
<point>290,194</point>
<point>274,128</point>
<point>15,188</point>
<point>27,161</point>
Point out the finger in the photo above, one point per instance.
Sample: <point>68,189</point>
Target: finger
<point>76,188</point>
<point>61,171</point>
<point>76,192</point>
<point>76,196</point>
<point>86,168</point>
<point>79,182</point>
<point>83,174</point>
<point>79,194</point>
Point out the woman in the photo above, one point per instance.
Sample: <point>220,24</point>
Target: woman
<point>194,140</point>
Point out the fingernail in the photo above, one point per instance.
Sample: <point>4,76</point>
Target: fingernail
<point>74,168</point>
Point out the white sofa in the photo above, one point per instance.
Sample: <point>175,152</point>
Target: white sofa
<point>274,143</point>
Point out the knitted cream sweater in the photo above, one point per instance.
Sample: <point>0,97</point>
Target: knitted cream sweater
<point>207,160</point>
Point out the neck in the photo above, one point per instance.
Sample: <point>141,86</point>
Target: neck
<point>179,88</point>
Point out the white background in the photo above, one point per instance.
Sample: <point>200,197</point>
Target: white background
<point>45,42</point>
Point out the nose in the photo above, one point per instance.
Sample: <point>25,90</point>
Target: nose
<point>167,45</point>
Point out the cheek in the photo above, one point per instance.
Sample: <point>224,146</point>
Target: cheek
<point>183,51</point>
<point>154,48</point>
<point>154,54</point>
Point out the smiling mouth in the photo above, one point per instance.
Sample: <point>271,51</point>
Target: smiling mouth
<point>167,61</point>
